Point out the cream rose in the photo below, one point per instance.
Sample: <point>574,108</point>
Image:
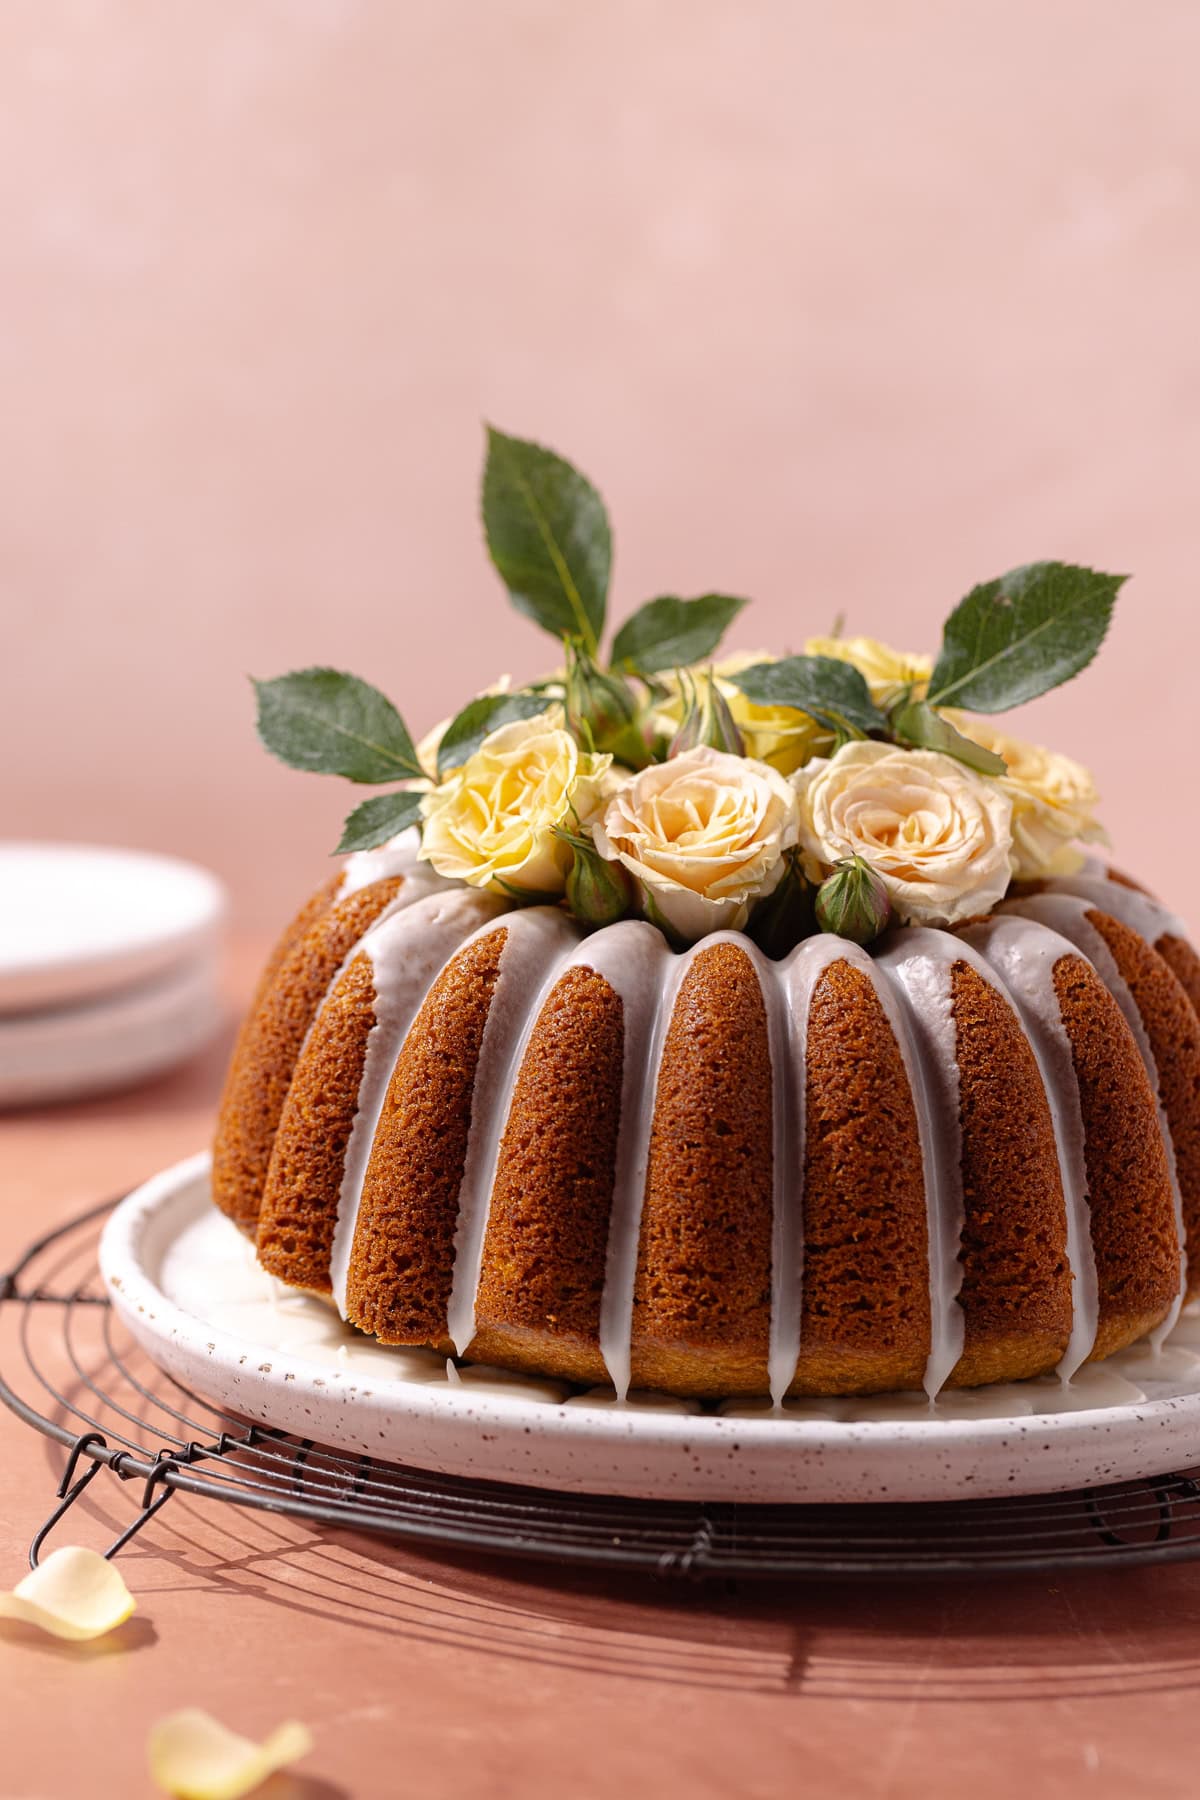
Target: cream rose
<point>704,834</point>
<point>939,835</point>
<point>778,735</point>
<point>887,672</point>
<point>491,824</point>
<point>1053,800</point>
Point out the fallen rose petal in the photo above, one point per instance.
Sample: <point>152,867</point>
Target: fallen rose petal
<point>74,1594</point>
<point>195,1757</point>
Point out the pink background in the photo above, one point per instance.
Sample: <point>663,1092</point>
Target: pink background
<point>844,308</point>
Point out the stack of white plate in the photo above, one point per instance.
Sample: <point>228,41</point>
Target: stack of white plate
<point>109,967</point>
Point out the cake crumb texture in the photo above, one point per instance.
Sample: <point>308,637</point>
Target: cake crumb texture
<point>865,1316</point>
<point>702,1293</point>
<point>1182,960</point>
<point>1134,1239</point>
<point>1174,1032</point>
<point>402,1261</point>
<point>547,1233</point>
<point>265,1055</point>
<point>1016,1277</point>
<point>300,1201</point>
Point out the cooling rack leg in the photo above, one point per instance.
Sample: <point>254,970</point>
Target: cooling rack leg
<point>64,1506</point>
<point>94,1444</point>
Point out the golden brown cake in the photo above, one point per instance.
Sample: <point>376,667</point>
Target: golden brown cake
<point>954,1158</point>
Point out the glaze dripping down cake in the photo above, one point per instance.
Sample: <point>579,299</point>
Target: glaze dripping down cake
<point>751,1025</point>
<point>963,1158</point>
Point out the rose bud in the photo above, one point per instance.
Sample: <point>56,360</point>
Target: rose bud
<point>598,892</point>
<point>854,903</point>
<point>602,710</point>
<point>706,718</point>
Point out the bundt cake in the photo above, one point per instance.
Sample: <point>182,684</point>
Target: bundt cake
<point>734,1027</point>
<point>954,1158</point>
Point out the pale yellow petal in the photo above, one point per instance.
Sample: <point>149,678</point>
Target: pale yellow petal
<point>74,1594</point>
<point>194,1756</point>
<point>704,834</point>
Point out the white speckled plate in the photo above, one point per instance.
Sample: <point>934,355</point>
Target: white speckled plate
<point>113,1040</point>
<point>187,1286</point>
<point>78,920</point>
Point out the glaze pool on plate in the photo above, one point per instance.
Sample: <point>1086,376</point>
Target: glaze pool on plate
<point>186,1284</point>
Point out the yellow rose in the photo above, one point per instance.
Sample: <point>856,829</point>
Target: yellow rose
<point>888,672</point>
<point>937,834</point>
<point>778,735</point>
<point>491,824</point>
<point>704,834</point>
<point>1053,800</point>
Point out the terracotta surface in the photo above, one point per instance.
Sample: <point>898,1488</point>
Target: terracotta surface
<point>469,1680</point>
<point>845,308</point>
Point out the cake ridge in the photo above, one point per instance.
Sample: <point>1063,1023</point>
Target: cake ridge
<point>646,975</point>
<point>416,883</point>
<point>529,934</point>
<point>1021,951</point>
<point>796,981</point>
<point>907,960</point>
<point>406,951</point>
<point>1142,912</point>
<point>1068,915</point>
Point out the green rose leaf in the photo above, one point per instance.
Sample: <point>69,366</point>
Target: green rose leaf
<point>467,730</point>
<point>915,723</point>
<point>379,819</point>
<point>832,692</point>
<point>668,633</point>
<point>334,724</point>
<point>1015,638</point>
<point>548,535</point>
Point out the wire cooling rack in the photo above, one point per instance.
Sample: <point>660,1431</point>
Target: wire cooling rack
<point>69,1370</point>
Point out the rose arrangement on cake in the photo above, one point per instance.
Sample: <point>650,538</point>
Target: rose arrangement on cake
<point>840,789</point>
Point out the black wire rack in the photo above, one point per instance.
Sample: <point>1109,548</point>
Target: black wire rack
<point>69,1370</point>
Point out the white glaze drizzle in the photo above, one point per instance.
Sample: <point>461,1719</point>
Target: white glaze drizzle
<point>787,1248</point>
<point>1067,914</point>
<point>488,1128</point>
<point>1024,954</point>
<point>648,978</point>
<point>795,980</point>
<point>362,870</point>
<point>407,951</point>
<point>398,857</point>
<point>537,938</point>
<point>645,975</point>
<point>921,962</point>
<point>790,984</point>
<point>1141,912</point>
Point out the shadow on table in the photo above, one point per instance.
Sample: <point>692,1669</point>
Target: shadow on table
<point>1077,1634</point>
<point>1082,1632</point>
